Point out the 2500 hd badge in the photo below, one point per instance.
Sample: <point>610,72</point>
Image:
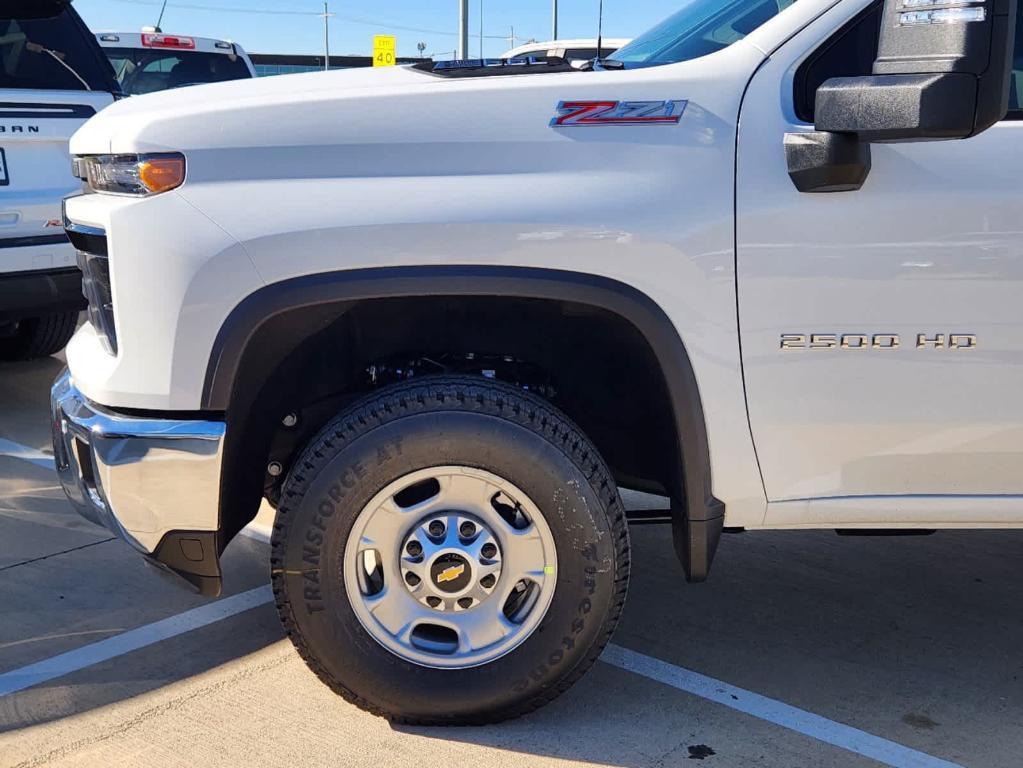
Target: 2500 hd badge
<point>876,341</point>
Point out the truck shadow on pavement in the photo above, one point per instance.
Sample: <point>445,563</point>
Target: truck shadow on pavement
<point>97,591</point>
<point>25,399</point>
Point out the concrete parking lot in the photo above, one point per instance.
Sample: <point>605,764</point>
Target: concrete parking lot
<point>804,649</point>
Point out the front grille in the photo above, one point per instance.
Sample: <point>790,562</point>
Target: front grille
<point>94,262</point>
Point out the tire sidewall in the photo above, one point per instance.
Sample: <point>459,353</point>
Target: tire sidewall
<point>322,502</point>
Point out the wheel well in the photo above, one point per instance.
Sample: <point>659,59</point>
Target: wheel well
<point>592,364</point>
<point>604,353</point>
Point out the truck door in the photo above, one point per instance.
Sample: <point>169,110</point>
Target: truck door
<point>882,328</point>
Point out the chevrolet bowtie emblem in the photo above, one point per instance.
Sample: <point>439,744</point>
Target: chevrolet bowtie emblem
<point>450,574</point>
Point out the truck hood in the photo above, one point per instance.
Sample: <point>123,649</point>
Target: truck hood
<point>123,127</point>
<point>361,126</point>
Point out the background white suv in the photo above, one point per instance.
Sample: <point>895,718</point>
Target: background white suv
<point>53,77</point>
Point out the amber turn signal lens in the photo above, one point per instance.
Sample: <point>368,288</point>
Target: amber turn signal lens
<point>162,174</point>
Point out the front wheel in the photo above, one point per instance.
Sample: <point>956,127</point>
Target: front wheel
<point>450,551</point>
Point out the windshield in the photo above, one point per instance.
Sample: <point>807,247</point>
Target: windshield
<point>699,28</point>
<point>144,71</point>
<point>45,47</point>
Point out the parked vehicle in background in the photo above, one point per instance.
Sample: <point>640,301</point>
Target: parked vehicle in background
<point>53,77</point>
<point>145,62</point>
<point>575,52</point>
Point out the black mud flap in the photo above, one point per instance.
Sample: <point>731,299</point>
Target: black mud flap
<point>192,559</point>
<point>696,541</point>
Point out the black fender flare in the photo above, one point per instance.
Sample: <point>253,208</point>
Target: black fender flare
<point>698,517</point>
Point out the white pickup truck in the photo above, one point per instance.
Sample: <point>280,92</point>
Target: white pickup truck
<point>765,261</point>
<point>149,61</point>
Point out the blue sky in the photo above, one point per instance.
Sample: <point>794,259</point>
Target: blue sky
<point>292,26</point>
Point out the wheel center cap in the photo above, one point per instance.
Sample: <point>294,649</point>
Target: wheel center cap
<point>451,573</point>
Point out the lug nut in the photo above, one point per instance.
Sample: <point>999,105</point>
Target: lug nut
<point>412,580</point>
<point>274,469</point>
<point>436,529</point>
<point>290,420</point>
<point>489,550</point>
<point>467,529</point>
<point>465,602</point>
<point>488,581</point>
<point>433,601</point>
<point>414,549</point>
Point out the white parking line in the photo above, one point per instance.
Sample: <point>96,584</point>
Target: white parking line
<point>795,719</point>
<point>132,640</point>
<point>31,455</point>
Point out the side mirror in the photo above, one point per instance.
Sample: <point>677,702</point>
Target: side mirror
<point>942,71</point>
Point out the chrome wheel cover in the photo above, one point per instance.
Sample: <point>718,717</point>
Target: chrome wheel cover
<point>450,567</point>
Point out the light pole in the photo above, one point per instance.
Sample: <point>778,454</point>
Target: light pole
<point>326,36</point>
<point>463,29</point>
<point>554,20</point>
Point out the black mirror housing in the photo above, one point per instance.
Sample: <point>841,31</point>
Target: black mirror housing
<point>942,72</point>
<point>881,108</point>
<point>819,161</point>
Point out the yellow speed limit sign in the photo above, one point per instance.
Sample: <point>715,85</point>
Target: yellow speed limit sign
<point>384,47</point>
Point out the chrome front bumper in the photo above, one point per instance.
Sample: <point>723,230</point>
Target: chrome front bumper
<point>153,482</point>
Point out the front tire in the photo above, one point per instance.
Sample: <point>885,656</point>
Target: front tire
<point>450,551</point>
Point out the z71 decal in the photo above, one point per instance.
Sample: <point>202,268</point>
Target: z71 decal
<point>580,113</point>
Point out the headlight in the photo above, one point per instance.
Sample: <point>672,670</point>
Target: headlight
<point>139,175</point>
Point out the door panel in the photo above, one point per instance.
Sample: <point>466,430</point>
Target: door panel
<point>933,245</point>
